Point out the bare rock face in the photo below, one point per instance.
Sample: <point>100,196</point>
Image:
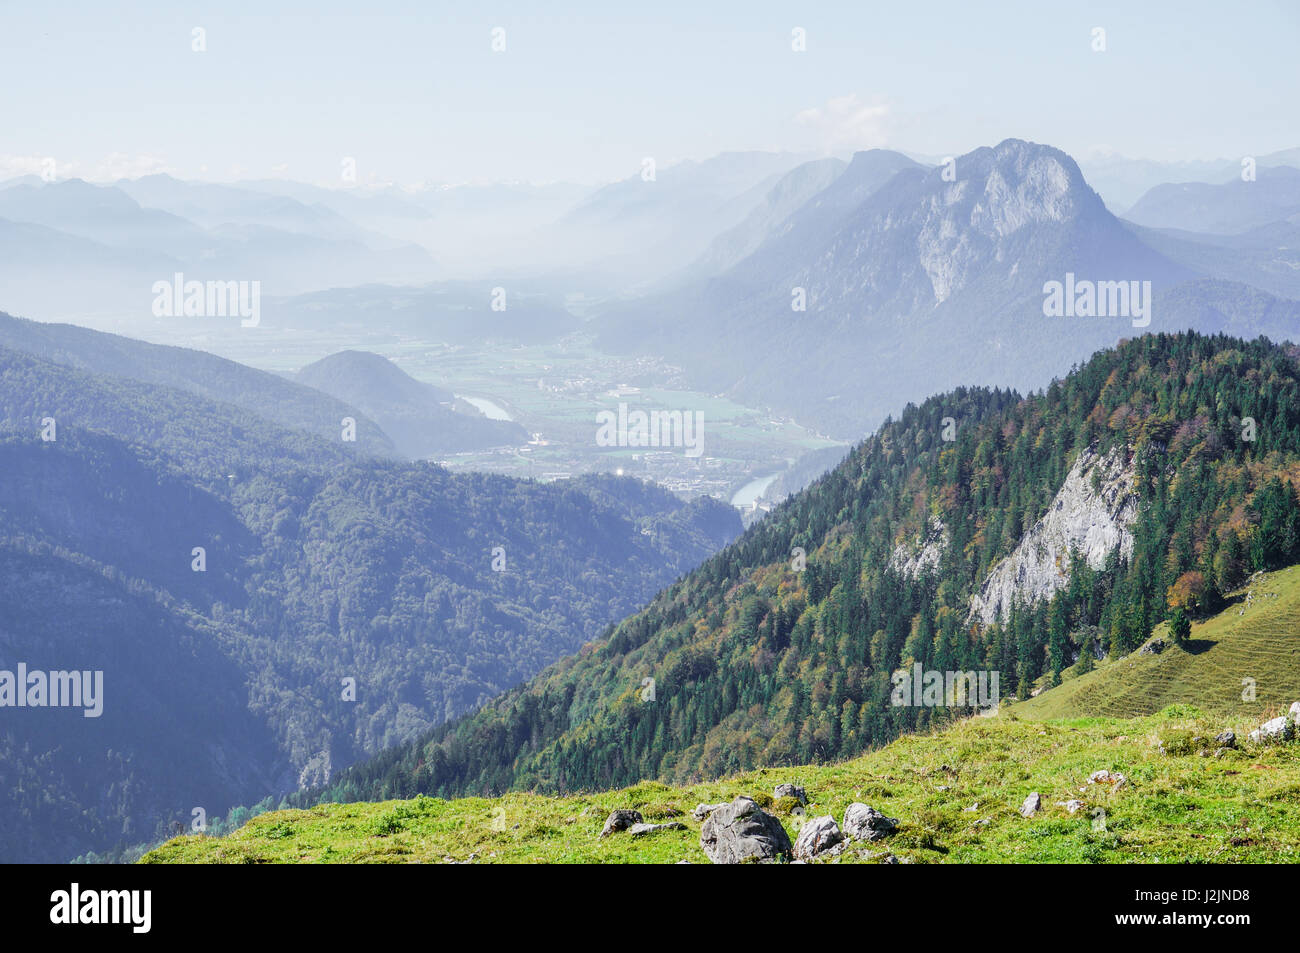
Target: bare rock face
<point>911,562</point>
<point>742,832</point>
<point>1091,520</point>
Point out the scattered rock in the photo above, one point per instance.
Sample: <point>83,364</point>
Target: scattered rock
<point>640,830</point>
<point>1226,739</point>
<point>704,810</point>
<point>790,790</point>
<point>1154,647</point>
<point>1074,805</point>
<point>973,807</point>
<point>866,823</point>
<point>620,820</point>
<point>1281,728</point>
<point>742,832</point>
<point>1033,804</point>
<point>817,837</point>
<point>1108,777</point>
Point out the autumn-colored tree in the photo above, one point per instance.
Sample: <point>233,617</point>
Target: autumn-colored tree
<point>1188,592</point>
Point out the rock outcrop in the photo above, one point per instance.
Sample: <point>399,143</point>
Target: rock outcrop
<point>640,830</point>
<point>1094,521</point>
<point>620,820</point>
<point>791,790</point>
<point>911,561</point>
<point>704,810</point>
<point>1282,728</point>
<point>866,823</point>
<point>742,832</point>
<point>818,836</point>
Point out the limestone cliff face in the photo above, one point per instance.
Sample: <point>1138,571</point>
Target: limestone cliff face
<point>1092,521</point>
<point>910,561</point>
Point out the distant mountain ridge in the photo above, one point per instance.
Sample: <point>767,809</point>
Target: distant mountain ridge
<point>1231,208</point>
<point>206,375</point>
<point>935,279</point>
<point>420,418</point>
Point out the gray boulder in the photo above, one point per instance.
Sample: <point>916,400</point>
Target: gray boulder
<point>790,790</point>
<point>704,810</point>
<point>1033,804</point>
<point>620,820</point>
<point>816,837</point>
<point>1276,729</point>
<point>742,832</point>
<point>1226,739</point>
<point>866,823</point>
<point>640,830</point>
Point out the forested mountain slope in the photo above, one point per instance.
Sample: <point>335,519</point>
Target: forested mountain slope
<point>267,604</point>
<point>757,661</point>
<point>205,375</point>
<point>422,420</point>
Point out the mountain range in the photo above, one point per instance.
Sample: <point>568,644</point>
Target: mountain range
<point>888,287</point>
<point>273,565</point>
<point>267,600</point>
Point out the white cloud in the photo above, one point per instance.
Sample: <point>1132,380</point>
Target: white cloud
<point>119,165</point>
<point>116,165</point>
<point>848,122</point>
<point>13,166</point>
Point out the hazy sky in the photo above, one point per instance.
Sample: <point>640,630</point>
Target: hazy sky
<point>415,93</point>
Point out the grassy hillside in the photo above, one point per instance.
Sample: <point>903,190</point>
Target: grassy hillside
<point>1242,807</point>
<point>1229,806</point>
<point>1257,636</point>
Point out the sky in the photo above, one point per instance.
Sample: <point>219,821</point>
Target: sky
<point>414,93</point>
